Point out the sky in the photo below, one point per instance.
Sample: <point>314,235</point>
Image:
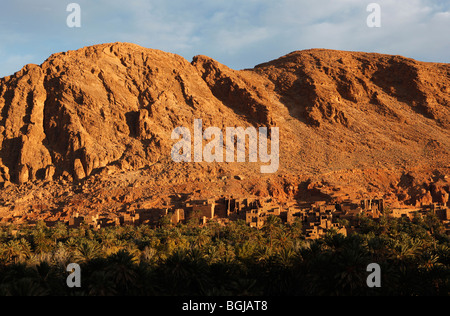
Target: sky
<point>237,33</point>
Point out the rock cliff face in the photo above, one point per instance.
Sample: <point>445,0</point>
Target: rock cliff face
<point>109,104</point>
<point>112,108</point>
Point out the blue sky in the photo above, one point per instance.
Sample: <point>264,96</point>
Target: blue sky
<point>238,33</point>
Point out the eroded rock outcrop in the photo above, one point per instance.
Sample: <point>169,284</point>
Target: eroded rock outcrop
<point>114,106</point>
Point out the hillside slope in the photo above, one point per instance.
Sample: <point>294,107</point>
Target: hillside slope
<point>350,122</point>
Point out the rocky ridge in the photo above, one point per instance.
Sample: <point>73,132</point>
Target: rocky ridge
<point>99,119</point>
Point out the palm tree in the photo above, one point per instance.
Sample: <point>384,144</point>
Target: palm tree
<point>101,284</point>
<point>285,257</point>
<point>26,287</point>
<point>405,248</point>
<point>202,238</point>
<point>350,277</point>
<point>59,231</point>
<point>25,249</point>
<point>87,250</point>
<point>296,229</point>
<point>49,277</point>
<point>334,240</point>
<point>40,241</point>
<point>272,226</point>
<point>185,272</point>
<point>61,255</point>
<point>13,251</point>
<point>148,255</point>
<point>265,254</point>
<point>245,287</point>
<point>122,270</point>
<point>283,239</point>
<point>213,253</point>
<point>434,225</point>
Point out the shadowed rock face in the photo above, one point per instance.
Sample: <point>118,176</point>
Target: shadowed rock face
<point>116,105</point>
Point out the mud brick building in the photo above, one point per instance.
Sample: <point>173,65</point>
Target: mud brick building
<point>91,219</point>
<point>257,217</point>
<point>316,218</point>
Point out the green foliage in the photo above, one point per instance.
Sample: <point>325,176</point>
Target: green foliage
<point>226,260</point>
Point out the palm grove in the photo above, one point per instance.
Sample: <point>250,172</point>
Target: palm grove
<point>226,260</point>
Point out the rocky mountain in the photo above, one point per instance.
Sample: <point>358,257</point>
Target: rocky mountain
<point>350,123</point>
